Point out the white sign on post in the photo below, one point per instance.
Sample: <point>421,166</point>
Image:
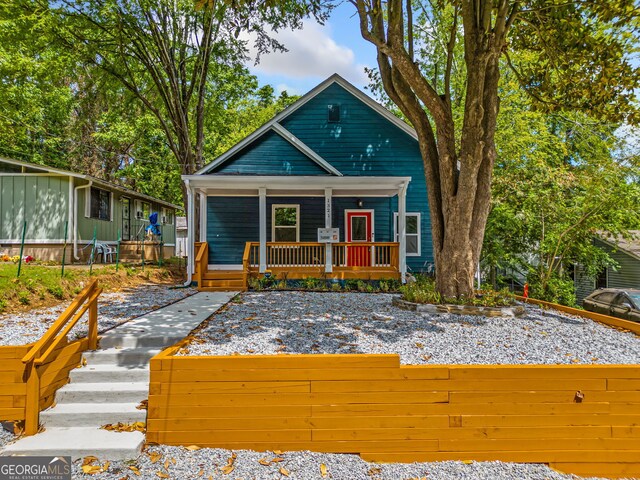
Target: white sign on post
<point>328,235</point>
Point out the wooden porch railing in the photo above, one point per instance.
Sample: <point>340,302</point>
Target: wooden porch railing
<point>42,350</point>
<point>201,262</point>
<point>375,255</point>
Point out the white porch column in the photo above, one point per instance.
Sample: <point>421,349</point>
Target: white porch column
<point>328,252</point>
<point>262,192</point>
<point>191,215</point>
<point>203,216</point>
<point>402,230</point>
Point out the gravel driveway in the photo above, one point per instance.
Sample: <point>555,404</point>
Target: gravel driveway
<point>302,322</point>
<point>113,309</point>
<point>207,464</point>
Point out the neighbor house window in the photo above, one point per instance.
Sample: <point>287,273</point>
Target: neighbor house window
<point>601,279</point>
<point>285,223</point>
<point>333,113</point>
<point>167,216</point>
<point>143,210</point>
<point>100,204</point>
<point>412,234</point>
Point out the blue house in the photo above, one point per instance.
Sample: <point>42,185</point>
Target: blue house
<point>332,187</point>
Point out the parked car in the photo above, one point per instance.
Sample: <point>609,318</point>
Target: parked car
<point>617,302</point>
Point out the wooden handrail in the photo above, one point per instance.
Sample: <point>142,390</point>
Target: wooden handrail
<point>87,300</point>
<point>62,320</point>
<point>201,261</point>
<point>318,244</point>
<point>201,251</point>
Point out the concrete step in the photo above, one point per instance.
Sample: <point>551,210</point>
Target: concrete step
<point>126,357</point>
<point>109,374</point>
<point>91,414</point>
<point>121,392</point>
<point>131,340</point>
<point>79,442</point>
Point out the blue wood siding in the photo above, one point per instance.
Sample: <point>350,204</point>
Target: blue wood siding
<point>231,221</point>
<point>362,143</point>
<point>270,155</point>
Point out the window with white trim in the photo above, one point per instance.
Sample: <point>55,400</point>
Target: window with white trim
<point>143,210</point>
<point>167,216</point>
<point>285,223</point>
<point>100,204</point>
<point>412,235</point>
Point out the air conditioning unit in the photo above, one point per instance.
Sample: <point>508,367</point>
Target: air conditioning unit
<point>164,220</point>
<point>139,215</point>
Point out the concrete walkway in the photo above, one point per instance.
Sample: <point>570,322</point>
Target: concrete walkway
<point>113,383</point>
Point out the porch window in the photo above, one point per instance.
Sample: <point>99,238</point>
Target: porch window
<point>412,234</point>
<point>143,210</point>
<point>100,204</point>
<point>285,223</point>
<point>167,216</point>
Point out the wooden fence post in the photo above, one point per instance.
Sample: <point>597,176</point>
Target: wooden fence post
<point>93,324</point>
<point>32,401</point>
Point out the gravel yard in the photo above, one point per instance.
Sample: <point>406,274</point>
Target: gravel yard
<point>268,323</point>
<point>6,437</point>
<point>113,309</point>
<point>208,463</point>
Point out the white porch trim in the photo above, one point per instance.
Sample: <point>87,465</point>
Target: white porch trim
<point>262,207</point>
<point>402,227</point>
<point>328,217</point>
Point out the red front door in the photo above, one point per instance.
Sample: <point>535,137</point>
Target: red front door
<point>359,229</point>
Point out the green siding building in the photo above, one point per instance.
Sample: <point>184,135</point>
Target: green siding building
<point>52,201</point>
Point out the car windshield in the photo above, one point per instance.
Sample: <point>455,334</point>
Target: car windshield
<point>635,296</point>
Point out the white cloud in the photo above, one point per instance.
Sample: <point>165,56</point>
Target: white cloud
<point>281,87</point>
<point>311,53</point>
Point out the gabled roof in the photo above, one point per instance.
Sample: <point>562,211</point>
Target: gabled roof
<point>630,246</point>
<point>97,181</point>
<point>274,124</point>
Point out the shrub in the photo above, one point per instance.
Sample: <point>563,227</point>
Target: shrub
<point>56,291</point>
<point>423,290</point>
<point>24,297</point>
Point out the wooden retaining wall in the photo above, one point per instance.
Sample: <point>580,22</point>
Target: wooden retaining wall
<point>583,419</point>
<point>53,375</point>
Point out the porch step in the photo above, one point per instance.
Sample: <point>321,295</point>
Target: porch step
<point>231,284</point>
<point>222,289</point>
<point>223,275</point>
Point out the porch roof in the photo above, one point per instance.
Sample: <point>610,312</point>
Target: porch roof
<point>310,186</point>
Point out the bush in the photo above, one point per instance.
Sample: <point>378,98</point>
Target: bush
<point>24,297</point>
<point>557,290</point>
<point>56,291</point>
<point>423,290</point>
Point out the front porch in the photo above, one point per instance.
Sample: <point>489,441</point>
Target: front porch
<point>299,260</point>
<point>284,215</point>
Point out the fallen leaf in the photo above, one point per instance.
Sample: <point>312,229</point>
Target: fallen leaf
<point>105,467</point>
<point>264,461</point>
<point>89,460</point>
<point>162,475</point>
<point>467,462</point>
<point>323,470</point>
<point>284,471</point>
<point>227,469</point>
<point>144,405</point>
<point>193,447</point>
<point>277,460</point>
<point>154,456</point>
<point>166,464</point>
<point>277,452</point>
<point>91,469</point>
<point>374,471</point>
<point>134,470</point>
<point>173,460</point>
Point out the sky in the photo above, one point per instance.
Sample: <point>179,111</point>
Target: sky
<point>316,52</point>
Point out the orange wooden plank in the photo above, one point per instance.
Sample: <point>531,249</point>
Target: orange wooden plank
<point>198,437</point>
<point>628,431</point>
<point>280,374</point>
<point>178,411</point>
<point>308,361</point>
<point>14,389</point>
<point>540,444</point>
<point>462,409</point>
<point>496,372</point>
<point>560,396</point>
<point>461,433</point>
<point>617,384</point>
<point>206,399</point>
<point>542,420</point>
<point>195,424</point>
<point>10,414</point>
<point>395,421</point>
<point>234,387</point>
<point>458,385</point>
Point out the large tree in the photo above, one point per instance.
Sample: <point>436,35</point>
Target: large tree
<point>176,59</point>
<point>574,54</point>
